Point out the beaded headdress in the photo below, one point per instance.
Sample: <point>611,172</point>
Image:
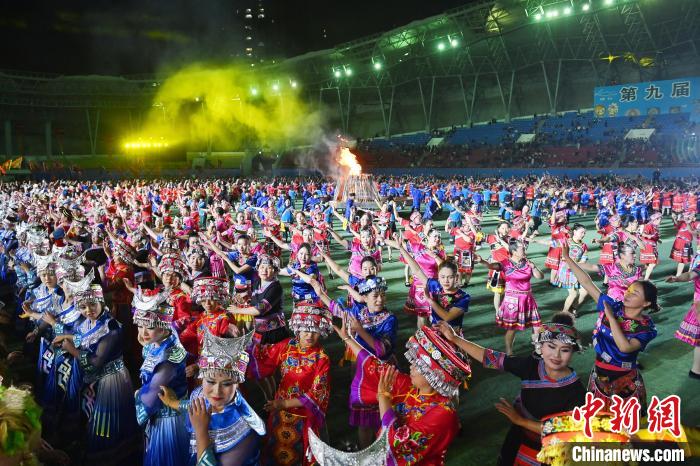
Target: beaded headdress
<point>93,294</point>
<point>173,263</point>
<point>311,319</point>
<point>214,288</point>
<point>440,362</point>
<point>152,311</point>
<point>372,283</point>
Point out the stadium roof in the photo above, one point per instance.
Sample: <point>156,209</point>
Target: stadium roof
<point>507,35</point>
<point>482,37</point>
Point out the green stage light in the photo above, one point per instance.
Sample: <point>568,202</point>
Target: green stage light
<point>567,10</point>
<point>293,84</point>
<point>454,43</point>
<point>586,6</point>
<point>538,16</point>
<point>348,72</point>
<point>254,91</point>
<point>441,46</point>
<point>377,65</point>
<point>609,2</point>
<point>337,73</point>
<point>275,87</point>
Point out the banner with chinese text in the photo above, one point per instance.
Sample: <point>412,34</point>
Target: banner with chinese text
<point>651,98</point>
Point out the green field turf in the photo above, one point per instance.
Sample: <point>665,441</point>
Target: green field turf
<point>666,361</point>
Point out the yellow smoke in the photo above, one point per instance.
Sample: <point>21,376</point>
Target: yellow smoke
<point>232,107</point>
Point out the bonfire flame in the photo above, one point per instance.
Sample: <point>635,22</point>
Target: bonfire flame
<point>348,159</point>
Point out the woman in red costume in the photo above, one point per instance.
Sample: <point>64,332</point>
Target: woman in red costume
<point>682,250</point>
<point>304,389</point>
<point>212,294</point>
<point>417,409</point>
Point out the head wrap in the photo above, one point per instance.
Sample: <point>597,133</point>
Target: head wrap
<point>267,259</point>
<point>372,283</point>
<point>227,355</point>
<point>440,362</point>
<point>551,331</point>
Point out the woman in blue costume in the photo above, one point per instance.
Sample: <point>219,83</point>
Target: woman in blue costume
<point>303,294</point>
<point>163,365</point>
<point>61,397</point>
<point>44,299</point>
<point>623,330</point>
<point>224,428</point>
<point>375,328</point>
<point>108,397</point>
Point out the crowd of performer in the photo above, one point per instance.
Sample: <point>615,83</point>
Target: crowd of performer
<point>151,309</point>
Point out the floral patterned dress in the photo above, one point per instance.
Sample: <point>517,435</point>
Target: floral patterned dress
<point>421,427</point>
<point>305,376</point>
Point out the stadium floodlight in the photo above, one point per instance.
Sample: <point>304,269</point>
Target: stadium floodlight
<point>348,71</point>
<point>337,73</point>
<point>441,46</point>
<point>377,65</point>
<point>567,10</point>
<point>454,43</point>
<point>586,6</point>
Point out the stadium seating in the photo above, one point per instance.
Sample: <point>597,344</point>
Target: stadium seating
<point>569,139</point>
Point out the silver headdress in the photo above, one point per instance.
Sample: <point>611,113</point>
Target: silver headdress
<point>68,258</point>
<point>45,262</point>
<point>36,235</point>
<point>75,286</point>
<point>226,355</point>
<point>374,455</point>
<point>93,294</point>
<point>153,311</point>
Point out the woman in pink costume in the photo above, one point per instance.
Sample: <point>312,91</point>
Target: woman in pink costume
<point>689,330</point>
<point>518,309</point>
<point>619,275</point>
<point>429,254</point>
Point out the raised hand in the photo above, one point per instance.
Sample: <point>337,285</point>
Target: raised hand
<point>199,414</point>
<point>447,331</point>
<point>387,377</point>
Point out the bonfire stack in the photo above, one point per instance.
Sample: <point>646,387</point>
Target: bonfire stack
<point>353,181</point>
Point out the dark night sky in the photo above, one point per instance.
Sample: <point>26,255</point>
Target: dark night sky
<point>141,36</point>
